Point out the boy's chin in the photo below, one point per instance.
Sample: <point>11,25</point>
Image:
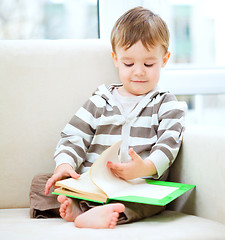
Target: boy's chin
<point>140,92</point>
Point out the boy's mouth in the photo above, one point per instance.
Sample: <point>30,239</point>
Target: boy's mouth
<point>138,81</point>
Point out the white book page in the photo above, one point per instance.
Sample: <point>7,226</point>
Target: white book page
<point>82,184</point>
<point>102,175</point>
<point>142,189</point>
<point>116,187</point>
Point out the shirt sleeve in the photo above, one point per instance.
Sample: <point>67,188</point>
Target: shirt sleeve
<point>76,137</point>
<point>171,116</point>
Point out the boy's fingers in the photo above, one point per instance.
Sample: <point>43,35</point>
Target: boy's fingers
<point>114,166</point>
<point>73,174</point>
<point>48,186</point>
<point>133,154</point>
<point>116,173</point>
<point>51,181</point>
<point>109,164</point>
<point>58,176</point>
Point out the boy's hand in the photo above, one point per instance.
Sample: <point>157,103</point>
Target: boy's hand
<point>137,167</point>
<point>62,171</point>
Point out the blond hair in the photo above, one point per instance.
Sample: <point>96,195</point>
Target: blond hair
<point>139,24</point>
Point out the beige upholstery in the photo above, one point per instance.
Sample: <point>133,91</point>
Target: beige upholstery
<point>42,83</point>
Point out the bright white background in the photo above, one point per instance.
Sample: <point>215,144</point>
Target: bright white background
<point>197,40</point>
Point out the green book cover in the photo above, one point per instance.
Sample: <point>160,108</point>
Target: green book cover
<point>177,189</point>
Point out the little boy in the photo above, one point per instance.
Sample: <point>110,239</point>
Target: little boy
<point>149,121</point>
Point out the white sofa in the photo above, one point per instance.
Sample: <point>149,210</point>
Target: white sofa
<point>42,83</point>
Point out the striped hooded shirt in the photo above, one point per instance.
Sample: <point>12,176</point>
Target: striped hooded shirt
<point>154,129</point>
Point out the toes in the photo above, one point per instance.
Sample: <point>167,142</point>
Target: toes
<point>115,215</point>
<point>61,198</point>
<point>62,210</point>
<point>114,220</point>
<point>63,214</point>
<point>63,206</point>
<point>120,208</point>
<point>112,224</point>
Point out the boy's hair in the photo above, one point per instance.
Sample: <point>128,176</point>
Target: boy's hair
<point>139,24</point>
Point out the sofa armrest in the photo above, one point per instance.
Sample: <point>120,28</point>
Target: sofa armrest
<point>201,162</point>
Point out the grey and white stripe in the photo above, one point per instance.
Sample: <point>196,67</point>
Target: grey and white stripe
<point>154,129</point>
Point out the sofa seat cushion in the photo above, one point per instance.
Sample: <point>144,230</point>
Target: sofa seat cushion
<point>16,224</point>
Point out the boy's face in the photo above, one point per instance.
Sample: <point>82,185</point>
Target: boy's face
<point>139,69</point>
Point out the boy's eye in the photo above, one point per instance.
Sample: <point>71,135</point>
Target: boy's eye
<point>128,64</point>
<point>148,65</point>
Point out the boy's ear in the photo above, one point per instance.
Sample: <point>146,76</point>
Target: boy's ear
<point>165,59</point>
<point>115,60</point>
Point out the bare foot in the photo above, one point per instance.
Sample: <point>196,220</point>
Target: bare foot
<point>68,209</point>
<point>105,216</point>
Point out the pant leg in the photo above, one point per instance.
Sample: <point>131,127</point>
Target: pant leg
<point>42,206</point>
<point>137,211</point>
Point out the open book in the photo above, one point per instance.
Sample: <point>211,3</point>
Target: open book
<point>99,184</point>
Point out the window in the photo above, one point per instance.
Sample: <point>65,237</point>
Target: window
<point>48,19</point>
<point>197,49</point>
<point>196,28</point>
<point>197,40</point>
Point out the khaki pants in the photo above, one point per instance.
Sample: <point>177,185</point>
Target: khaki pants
<point>42,206</point>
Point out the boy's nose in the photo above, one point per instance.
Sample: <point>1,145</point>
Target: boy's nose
<point>139,71</point>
